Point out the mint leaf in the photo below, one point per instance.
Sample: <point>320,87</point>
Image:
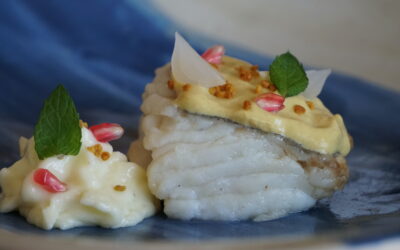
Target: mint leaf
<point>57,130</point>
<point>288,75</point>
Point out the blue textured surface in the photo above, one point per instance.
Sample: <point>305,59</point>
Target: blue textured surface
<point>105,51</point>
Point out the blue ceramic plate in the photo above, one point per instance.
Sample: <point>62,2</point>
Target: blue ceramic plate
<point>105,55</point>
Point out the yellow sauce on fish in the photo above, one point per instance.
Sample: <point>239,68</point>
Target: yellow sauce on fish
<point>316,129</point>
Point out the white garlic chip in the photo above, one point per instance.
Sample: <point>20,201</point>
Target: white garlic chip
<point>316,81</point>
<point>188,67</point>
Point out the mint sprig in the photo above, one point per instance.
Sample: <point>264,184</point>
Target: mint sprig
<point>57,130</point>
<point>288,75</point>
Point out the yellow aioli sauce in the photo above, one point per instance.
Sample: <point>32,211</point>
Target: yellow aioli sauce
<point>316,129</point>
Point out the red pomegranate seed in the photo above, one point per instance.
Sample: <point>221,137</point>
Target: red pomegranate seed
<point>48,181</point>
<point>270,102</point>
<point>106,132</point>
<point>214,54</point>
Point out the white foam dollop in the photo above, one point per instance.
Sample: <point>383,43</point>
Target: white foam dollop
<point>90,198</point>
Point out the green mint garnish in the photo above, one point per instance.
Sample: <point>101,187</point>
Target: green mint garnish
<point>288,75</point>
<point>57,130</point>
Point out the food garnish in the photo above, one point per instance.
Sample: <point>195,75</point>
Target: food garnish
<point>119,188</point>
<point>288,75</point>
<point>189,67</point>
<point>258,89</point>
<point>186,87</point>
<point>106,132</point>
<point>170,84</point>
<point>105,155</point>
<point>246,74</point>
<point>214,54</point>
<point>57,130</point>
<point>270,102</point>
<point>96,149</point>
<point>48,181</point>
<point>298,109</point>
<point>316,81</point>
<point>83,124</point>
<point>265,84</point>
<point>246,105</point>
<point>223,91</point>
<point>310,104</point>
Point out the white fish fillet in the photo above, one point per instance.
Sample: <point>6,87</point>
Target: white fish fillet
<point>210,168</point>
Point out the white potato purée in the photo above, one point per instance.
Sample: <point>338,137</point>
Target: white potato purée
<point>91,197</point>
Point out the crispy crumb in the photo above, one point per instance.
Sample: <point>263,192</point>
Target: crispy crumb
<point>245,74</point>
<point>170,84</point>
<point>186,87</point>
<point>258,89</point>
<point>228,95</point>
<point>226,91</point>
<point>83,124</point>
<point>220,94</point>
<point>96,149</point>
<point>105,156</point>
<point>246,105</point>
<point>272,87</point>
<point>310,104</point>
<point>227,86</point>
<point>254,71</point>
<point>254,68</point>
<point>265,83</point>
<point>298,109</point>
<point>119,188</point>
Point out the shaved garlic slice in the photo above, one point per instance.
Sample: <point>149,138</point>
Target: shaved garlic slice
<point>189,67</point>
<point>316,81</point>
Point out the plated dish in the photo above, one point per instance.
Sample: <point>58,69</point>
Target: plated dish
<point>367,206</point>
<point>277,151</point>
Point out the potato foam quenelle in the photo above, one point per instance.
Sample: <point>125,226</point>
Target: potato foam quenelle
<point>69,175</point>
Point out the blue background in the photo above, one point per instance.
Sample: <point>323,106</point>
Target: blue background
<point>105,51</point>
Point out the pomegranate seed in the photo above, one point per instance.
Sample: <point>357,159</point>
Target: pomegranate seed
<point>106,132</point>
<point>270,102</point>
<point>48,181</point>
<point>214,54</point>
